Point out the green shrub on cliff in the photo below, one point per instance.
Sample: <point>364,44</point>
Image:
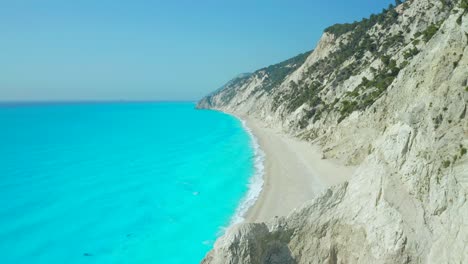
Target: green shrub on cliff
<point>462,151</point>
<point>464,4</point>
<point>410,53</point>
<point>430,31</point>
<point>446,163</point>
<point>387,17</point>
<point>277,73</point>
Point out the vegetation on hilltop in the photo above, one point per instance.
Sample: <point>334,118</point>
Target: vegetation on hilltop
<point>382,40</point>
<point>346,61</point>
<point>366,23</point>
<point>275,74</point>
<point>359,44</point>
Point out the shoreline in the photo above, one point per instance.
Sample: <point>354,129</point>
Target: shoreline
<point>256,181</point>
<point>293,172</point>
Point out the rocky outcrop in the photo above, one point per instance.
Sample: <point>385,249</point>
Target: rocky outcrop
<point>388,94</point>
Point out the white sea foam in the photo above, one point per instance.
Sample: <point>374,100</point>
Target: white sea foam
<point>255,182</point>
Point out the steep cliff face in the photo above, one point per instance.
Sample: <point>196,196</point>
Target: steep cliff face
<point>388,94</point>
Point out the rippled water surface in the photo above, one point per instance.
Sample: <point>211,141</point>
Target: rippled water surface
<point>117,182</point>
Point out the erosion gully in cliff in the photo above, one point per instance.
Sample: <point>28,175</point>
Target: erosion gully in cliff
<point>388,94</point>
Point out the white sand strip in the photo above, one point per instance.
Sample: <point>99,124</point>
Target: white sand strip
<point>294,173</point>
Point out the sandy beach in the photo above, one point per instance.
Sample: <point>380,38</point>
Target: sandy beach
<point>294,173</point>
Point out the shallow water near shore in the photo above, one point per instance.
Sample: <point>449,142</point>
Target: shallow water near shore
<point>118,182</point>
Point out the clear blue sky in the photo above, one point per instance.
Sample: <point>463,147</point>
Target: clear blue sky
<point>153,50</point>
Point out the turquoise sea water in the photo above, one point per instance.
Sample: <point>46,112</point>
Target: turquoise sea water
<point>118,182</point>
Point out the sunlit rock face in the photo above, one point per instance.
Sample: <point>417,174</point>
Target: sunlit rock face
<point>388,94</point>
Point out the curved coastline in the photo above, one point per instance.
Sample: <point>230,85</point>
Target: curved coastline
<point>288,173</point>
<point>256,181</point>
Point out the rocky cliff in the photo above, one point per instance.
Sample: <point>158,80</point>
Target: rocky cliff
<point>389,94</point>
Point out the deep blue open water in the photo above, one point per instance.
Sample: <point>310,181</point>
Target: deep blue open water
<point>118,182</point>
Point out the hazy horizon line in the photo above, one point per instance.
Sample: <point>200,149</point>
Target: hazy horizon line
<point>90,101</point>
